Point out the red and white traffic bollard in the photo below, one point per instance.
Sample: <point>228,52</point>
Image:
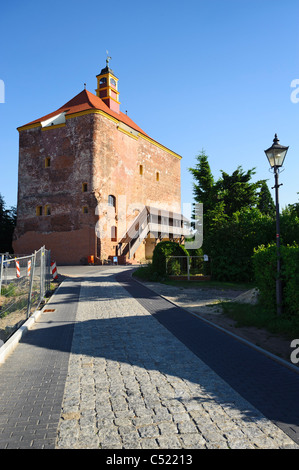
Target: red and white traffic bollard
<point>28,267</point>
<point>54,270</point>
<point>18,268</point>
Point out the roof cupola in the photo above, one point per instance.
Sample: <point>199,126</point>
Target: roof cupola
<point>107,88</point>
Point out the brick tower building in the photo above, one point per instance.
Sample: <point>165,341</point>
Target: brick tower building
<point>91,183</point>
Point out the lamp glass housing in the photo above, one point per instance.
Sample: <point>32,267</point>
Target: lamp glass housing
<point>276,153</point>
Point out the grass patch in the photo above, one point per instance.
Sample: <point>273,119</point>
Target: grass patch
<point>146,273</point>
<point>9,291</point>
<point>258,317</point>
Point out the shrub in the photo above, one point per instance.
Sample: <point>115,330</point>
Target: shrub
<point>265,272</point>
<point>174,267</point>
<point>290,276</point>
<point>231,244</point>
<point>162,251</point>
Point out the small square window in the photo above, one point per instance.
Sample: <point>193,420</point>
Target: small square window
<point>84,187</point>
<point>85,210</point>
<point>47,162</point>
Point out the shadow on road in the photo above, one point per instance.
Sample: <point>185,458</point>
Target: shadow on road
<point>267,385</point>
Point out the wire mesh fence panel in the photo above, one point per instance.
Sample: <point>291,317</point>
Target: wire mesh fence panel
<point>177,265</point>
<point>40,279</point>
<point>187,266</point>
<point>24,281</point>
<point>197,265</point>
<point>15,281</point>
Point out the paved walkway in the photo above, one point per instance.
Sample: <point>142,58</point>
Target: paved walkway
<point>116,366</point>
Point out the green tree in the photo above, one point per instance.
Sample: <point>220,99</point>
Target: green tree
<point>292,209</point>
<point>204,185</point>
<point>237,191</point>
<point>265,202</point>
<point>232,222</point>
<point>205,192</point>
<point>8,219</point>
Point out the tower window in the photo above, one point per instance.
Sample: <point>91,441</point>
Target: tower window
<point>157,176</point>
<point>39,210</point>
<point>141,169</point>
<point>113,233</point>
<point>47,210</point>
<point>111,201</point>
<point>84,187</point>
<point>47,162</point>
<point>85,210</point>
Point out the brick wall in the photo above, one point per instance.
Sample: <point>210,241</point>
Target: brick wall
<point>88,149</point>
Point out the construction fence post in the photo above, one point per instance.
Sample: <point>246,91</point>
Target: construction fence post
<point>1,272</point>
<point>31,283</point>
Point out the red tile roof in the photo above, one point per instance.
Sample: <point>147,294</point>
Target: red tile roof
<point>85,101</point>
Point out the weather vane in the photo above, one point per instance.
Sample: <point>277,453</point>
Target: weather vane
<point>108,58</point>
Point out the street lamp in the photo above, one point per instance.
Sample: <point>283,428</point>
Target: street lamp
<point>276,155</point>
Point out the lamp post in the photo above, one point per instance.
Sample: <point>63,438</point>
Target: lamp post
<point>276,155</point>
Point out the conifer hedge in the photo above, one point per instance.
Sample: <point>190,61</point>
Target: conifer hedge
<point>265,273</point>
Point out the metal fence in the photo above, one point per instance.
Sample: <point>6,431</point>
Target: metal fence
<point>24,282</point>
<point>187,266</point>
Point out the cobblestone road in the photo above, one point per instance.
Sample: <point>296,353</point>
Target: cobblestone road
<point>131,384</point>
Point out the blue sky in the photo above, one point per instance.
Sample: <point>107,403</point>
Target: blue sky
<point>213,75</point>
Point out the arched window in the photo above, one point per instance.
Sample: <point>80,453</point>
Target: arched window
<point>47,209</point>
<point>39,210</point>
<point>111,201</point>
